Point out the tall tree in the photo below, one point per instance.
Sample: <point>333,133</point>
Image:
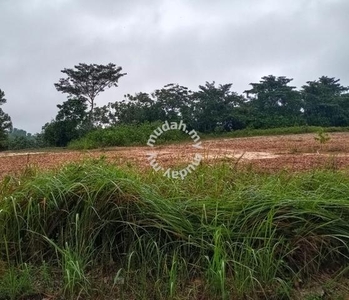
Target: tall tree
<point>5,122</point>
<point>85,81</point>
<point>274,103</point>
<point>175,101</point>
<point>326,102</point>
<point>136,109</point>
<point>216,108</point>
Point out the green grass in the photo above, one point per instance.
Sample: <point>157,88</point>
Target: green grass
<point>16,281</point>
<point>248,132</point>
<point>132,135</point>
<point>125,135</point>
<point>101,232</point>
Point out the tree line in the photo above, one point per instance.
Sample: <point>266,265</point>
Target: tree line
<point>272,102</point>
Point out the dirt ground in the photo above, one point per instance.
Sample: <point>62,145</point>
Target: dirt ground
<point>272,153</point>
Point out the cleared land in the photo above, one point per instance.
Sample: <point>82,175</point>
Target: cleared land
<point>273,153</point>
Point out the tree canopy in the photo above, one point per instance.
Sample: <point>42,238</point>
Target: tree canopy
<point>271,102</point>
<point>326,102</point>
<point>274,103</point>
<point>86,81</point>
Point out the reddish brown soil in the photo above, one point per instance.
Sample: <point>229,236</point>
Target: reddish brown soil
<point>289,152</point>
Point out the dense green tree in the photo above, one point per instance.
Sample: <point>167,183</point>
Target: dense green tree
<point>85,82</point>
<point>73,110</point>
<point>5,122</point>
<point>273,103</point>
<point>21,142</point>
<point>138,109</point>
<point>172,102</point>
<point>103,117</point>
<point>70,123</point>
<point>208,109</point>
<point>217,108</point>
<point>326,102</point>
<point>21,139</point>
<point>18,132</point>
<point>175,103</point>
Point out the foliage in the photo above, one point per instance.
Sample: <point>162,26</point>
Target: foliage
<point>85,82</point>
<point>326,102</point>
<point>175,103</point>
<point>270,103</point>
<point>117,234</point>
<point>274,104</point>
<point>21,142</point>
<point>16,132</point>
<point>136,109</point>
<point>172,103</point>
<point>322,137</point>
<point>5,122</point>
<point>125,135</point>
<point>16,283</point>
<point>211,110</point>
<point>207,110</point>
<point>248,132</point>
<point>131,135</point>
<point>20,139</point>
<point>217,107</point>
<point>71,123</point>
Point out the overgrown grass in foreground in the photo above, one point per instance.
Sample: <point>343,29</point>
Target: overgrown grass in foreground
<point>95,231</point>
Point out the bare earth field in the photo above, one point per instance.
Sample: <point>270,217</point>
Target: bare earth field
<point>272,153</point>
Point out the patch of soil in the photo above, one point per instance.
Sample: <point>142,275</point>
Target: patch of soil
<point>273,153</point>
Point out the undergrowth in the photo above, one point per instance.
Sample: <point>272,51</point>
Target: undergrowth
<point>138,135</point>
<point>125,135</point>
<point>95,231</point>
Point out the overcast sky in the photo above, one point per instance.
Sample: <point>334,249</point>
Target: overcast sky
<point>158,42</point>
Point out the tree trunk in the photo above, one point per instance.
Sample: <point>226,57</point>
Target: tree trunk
<point>91,119</point>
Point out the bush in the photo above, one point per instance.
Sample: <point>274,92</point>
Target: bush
<point>125,135</point>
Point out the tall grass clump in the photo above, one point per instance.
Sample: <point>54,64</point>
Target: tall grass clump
<point>219,234</point>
